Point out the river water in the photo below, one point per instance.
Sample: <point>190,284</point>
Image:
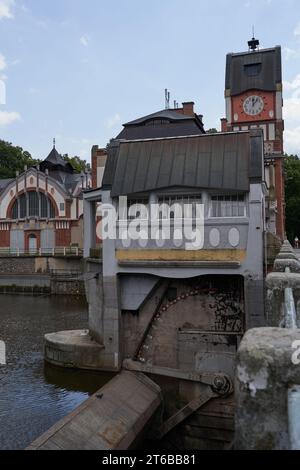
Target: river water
<point>34,395</point>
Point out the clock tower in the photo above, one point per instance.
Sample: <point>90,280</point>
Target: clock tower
<point>253,94</point>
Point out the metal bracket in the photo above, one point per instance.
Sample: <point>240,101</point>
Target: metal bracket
<point>220,386</point>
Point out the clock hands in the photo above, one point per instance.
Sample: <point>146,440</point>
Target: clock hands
<point>253,105</point>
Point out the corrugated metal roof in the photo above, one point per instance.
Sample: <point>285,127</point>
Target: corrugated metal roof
<point>214,161</point>
<point>269,71</point>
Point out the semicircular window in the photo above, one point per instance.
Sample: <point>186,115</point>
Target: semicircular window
<point>157,122</point>
<point>33,204</point>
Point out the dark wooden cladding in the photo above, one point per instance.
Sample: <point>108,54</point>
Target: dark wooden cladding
<point>268,73</point>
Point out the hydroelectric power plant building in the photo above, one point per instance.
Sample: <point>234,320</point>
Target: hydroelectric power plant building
<point>200,297</point>
<point>41,209</point>
<point>161,308</point>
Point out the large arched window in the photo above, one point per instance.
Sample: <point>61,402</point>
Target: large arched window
<point>33,204</point>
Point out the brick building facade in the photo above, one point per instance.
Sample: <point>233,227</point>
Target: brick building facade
<point>42,209</point>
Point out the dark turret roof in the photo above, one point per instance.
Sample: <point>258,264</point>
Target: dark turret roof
<point>164,123</point>
<point>55,158</point>
<point>168,114</point>
<point>55,162</point>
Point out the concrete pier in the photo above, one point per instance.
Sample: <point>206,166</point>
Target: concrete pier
<point>73,349</point>
<point>112,419</point>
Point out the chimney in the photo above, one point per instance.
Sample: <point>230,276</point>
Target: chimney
<point>188,108</point>
<point>224,125</point>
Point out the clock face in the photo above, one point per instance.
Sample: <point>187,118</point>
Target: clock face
<point>253,105</point>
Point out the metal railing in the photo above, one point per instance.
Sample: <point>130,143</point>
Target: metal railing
<point>59,274</point>
<point>96,252</point>
<point>61,251</point>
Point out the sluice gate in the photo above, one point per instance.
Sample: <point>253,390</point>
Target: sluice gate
<point>112,419</point>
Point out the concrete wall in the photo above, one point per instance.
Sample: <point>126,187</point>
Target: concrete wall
<point>198,322</point>
<point>265,371</point>
<point>119,322</point>
<point>32,265</point>
<point>67,287</point>
<point>286,275</point>
<point>94,295</point>
<point>17,265</point>
<point>32,275</point>
<point>77,234</point>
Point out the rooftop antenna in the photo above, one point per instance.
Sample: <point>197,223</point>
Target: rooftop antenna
<point>167,98</point>
<point>54,142</point>
<point>253,44</point>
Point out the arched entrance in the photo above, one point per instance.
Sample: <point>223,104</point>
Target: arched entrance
<point>32,243</point>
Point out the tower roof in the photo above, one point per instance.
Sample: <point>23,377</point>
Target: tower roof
<point>256,69</point>
<point>55,162</point>
<point>164,123</point>
<point>55,158</point>
<point>167,114</point>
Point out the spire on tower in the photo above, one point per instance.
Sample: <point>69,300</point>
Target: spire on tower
<point>54,142</point>
<point>253,43</point>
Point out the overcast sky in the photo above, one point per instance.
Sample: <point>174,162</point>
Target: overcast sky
<point>77,69</point>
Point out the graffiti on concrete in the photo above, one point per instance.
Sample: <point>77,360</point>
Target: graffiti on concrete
<point>228,311</point>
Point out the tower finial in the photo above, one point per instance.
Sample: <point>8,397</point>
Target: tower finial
<point>54,142</point>
<point>253,44</point>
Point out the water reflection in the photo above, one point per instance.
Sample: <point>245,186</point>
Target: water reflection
<point>34,395</point>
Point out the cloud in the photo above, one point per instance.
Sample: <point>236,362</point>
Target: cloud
<point>292,140</point>
<point>292,108</point>
<point>297,30</point>
<point>84,40</point>
<point>5,9</point>
<point>291,114</point>
<point>289,53</point>
<point>7,118</point>
<point>83,153</point>
<point>113,121</point>
<point>3,64</point>
<point>293,85</point>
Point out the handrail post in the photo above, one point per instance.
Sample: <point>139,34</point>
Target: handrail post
<point>294,416</point>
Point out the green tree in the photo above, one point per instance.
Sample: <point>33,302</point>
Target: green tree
<point>13,159</point>
<point>77,163</point>
<point>292,196</point>
<point>213,130</point>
